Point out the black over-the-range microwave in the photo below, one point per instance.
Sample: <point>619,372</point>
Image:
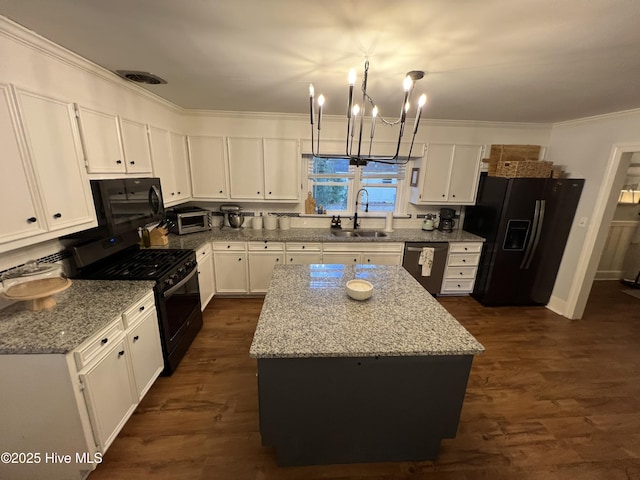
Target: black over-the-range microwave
<point>124,204</point>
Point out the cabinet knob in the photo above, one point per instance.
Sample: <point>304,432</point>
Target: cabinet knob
<point>104,341</point>
<point>118,162</point>
<point>443,195</point>
<point>277,259</point>
<point>265,247</point>
<point>141,308</point>
<point>269,193</point>
<point>355,260</point>
<point>120,353</point>
<point>173,193</point>
<point>32,220</point>
<point>464,260</point>
<point>240,259</point>
<point>136,338</point>
<point>132,162</point>
<point>258,193</point>
<point>179,193</point>
<point>454,196</point>
<point>291,259</point>
<point>303,247</point>
<point>228,246</point>
<point>220,191</point>
<point>57,215</point>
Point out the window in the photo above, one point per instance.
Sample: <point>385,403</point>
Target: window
<point>334,183</point>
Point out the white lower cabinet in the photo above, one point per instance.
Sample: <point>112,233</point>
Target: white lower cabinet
<point>301,253</point>
<point>76,403</point>
<point>375,253</point>
<point>230,266</point>
<point>109,393</point>
<point>263,257</point>
<point>462,266</point>
<point>206,279</point>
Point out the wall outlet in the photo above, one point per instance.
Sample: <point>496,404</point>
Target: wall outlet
<point>583,221</point>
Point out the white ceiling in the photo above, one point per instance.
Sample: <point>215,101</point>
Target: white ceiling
<point>499,60</point>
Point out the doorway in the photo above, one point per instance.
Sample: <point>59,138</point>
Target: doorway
<point>614,178</point>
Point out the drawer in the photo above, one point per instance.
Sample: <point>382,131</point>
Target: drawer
<point>465,247</point>
<point>203,251</point>
<point>230,246</point>
<point>457,286</point>
<point>137,311</point>
<point>463,259</point>
<point>100,343</point>
<point>460,272</point>
<point>266,245</point>
<point>303,247</point>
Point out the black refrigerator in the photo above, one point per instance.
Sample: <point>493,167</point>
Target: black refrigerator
<point>526,222</point>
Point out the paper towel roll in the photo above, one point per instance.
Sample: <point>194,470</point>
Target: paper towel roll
<point>388,226</point>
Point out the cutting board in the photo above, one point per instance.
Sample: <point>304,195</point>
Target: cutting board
<point>38,292</point>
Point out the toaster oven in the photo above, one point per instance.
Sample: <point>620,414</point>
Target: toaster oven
<point>189,219</point>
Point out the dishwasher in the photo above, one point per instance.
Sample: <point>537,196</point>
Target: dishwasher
<point>412,251</point>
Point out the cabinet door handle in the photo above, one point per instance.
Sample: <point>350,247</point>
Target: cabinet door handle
<point>120,353</point>
<point>443,195</point>
<point>228,246</point>
<point>118,162</point>
<point>265,246</point>
<point>454,196</point>
<point>136,338</point>
<point>141,308</point>
<point>240,259</point>
<point>32,220</point>
<point>269,193</point>
<point>258,193</point>
<point>179,193</point>
<point>291,259</point>
<point>57,215</point>
<point>464,260</point>
<point>303,247</point>
<point>104,341</point>
<point>173,193</point>
<point>220,191</point>
<point>277,259</point>
<point>132,162</point>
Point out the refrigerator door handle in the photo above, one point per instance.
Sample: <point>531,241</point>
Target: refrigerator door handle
<point>534,230</point>
<point>538,233</point>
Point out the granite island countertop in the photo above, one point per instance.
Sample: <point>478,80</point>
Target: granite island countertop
<point>307,313</point>
<point>83,309</point>
<point>193,241</point>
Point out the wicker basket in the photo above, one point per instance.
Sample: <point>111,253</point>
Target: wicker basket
<point>523,169</point>
<point>515,152</point>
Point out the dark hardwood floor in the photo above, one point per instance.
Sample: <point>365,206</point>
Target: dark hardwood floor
<point>550,399</point>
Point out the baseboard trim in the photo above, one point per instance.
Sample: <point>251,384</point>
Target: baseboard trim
<point>557,305</point>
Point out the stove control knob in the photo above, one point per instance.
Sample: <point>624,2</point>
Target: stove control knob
<point>168,282</point>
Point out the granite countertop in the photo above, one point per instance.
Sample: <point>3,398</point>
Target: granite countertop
<point>307,313</point>
<point>83,309</point>
<point>193,241</point>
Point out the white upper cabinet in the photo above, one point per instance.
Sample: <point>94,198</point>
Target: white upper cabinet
<point>180,167</point>
<point>281,169</point>
<point>264,169</point>
<point>208,167</point>
<point>170,164</point>
<point>246,168</point>
<point>135,143</point>
<point>21,213</point>
<point>54,149</point>
<point>101,141</point>
<point>449,174</point>
<point>113,145</point>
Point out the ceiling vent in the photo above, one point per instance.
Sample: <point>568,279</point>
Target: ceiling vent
<point>141,77</point>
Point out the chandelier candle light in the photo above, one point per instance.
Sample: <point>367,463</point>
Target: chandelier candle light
<point>355,120</point>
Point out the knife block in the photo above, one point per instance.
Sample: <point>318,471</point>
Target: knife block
<point>158,237</point>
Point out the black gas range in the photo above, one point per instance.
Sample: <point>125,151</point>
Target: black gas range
<point>177,293</point>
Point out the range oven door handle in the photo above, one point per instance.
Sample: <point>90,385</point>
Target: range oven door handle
<point>178,285</point>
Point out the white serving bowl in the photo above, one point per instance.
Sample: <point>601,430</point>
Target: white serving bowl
<point>359,289</point>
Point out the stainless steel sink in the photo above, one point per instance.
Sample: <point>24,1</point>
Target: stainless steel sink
<point>358,233</point>
<point>370,233</point>
<point>344,233</point>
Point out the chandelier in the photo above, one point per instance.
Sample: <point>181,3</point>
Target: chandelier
<point>355,121</point>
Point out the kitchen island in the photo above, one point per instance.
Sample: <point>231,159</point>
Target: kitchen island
<point>344,381</point>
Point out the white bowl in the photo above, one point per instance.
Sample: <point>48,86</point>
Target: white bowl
<point>359,289</point>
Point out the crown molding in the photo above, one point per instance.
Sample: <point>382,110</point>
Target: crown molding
<point>597,118</point>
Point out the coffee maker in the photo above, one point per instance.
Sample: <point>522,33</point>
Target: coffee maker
<point>447,221</point>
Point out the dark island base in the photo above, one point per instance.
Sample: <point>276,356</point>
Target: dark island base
<point>317,411</point>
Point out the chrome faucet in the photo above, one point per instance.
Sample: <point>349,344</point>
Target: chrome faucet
<point>366,207</point>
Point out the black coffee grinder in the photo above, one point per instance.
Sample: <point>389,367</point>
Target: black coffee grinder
<point>447,221</point>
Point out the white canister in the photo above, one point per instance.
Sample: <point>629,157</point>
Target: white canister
<point>270,222</point>
<point>257,223</point>
<point>285,223</point>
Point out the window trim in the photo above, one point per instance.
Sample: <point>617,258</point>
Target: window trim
<point>355,183</point>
